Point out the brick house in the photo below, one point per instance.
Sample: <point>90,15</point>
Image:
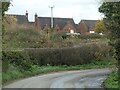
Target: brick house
<point>44,23</point>
<point>86,27</point>
<point>59,24</point>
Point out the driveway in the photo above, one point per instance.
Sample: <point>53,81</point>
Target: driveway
<point>92,78</point>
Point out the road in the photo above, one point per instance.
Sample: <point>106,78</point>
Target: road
<point>92,78</point>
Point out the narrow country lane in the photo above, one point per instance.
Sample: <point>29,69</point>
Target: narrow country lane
<point>91,78</point>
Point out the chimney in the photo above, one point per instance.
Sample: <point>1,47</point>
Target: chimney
<point>26,14</point>
<point>36,19</point>
<point>36,23</point>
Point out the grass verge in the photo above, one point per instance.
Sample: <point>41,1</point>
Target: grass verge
<point>15,73</point>
<point>112,80</point>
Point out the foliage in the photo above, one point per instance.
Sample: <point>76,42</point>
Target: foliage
<point>18,58</point>
<point>111,11</point>
<point>69,56</point>
<point>5,6</point>
<point>55,56</point>
<point>112,80</point>
<point>91,36</point>
<point>59,35</point>
<point>100,27</point>
<point>10,22</point>
<point>24,38</point>
<point>112,15</point>
<point>12,73</point>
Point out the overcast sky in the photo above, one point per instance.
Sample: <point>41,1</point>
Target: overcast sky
<point>76,9</point>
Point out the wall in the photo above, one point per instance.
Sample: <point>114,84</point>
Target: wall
<point>68,27</point>
<point>83,29</point>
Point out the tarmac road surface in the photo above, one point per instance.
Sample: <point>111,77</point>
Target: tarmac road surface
<point>92,78</point>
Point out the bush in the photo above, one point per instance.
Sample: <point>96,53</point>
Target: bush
<point>68,56</point>
<point>55,56</point>
<point>18,58</point>
<point>91,36</point>
<point>104,52</point>
<point>24,38</point>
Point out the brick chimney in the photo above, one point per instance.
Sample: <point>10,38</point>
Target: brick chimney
<point>36,20</point>
<point>26,14</point>
<point>37,24</point>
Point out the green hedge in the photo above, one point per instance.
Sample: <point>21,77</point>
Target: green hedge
<point>69,56</point>
<point>66,56</point>
<point>91,36</point>
<point>18,58</point>
<point>55,56</point>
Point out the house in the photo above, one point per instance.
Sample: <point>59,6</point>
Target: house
<point>86,27</point>
<point>59,24</point>
<point>44,23</point>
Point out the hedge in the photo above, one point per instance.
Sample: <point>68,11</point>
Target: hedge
<point>69,56</point>
<point>91,36</point>
<point>63,56</point>
<point>18,58</point>
<point>56,56</point>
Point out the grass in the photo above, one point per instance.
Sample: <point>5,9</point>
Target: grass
<point>112,80</point>
<point>14,73</point>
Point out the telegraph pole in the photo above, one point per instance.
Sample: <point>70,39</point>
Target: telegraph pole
<point>51,7</point>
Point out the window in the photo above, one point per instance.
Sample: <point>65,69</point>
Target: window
<point>92,32</point>
<point>71,31</point>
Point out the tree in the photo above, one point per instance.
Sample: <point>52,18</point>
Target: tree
<point>5,6</point>
<point>111,11</point>
<point>100,27</point>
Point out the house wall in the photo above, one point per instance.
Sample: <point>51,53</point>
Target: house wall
<point>83,29</point>
<point>69,27</point>
<point>57,28</point>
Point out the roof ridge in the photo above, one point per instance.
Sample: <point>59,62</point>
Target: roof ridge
<point>55,17</point>
<point>88,20</point>
<point>15,14</point>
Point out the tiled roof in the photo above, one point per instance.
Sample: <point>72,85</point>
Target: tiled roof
<point>90,23</point>
<point>61,22</point>
<point>21,19</point>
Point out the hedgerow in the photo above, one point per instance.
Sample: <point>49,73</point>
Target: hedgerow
<point>55,56</point>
